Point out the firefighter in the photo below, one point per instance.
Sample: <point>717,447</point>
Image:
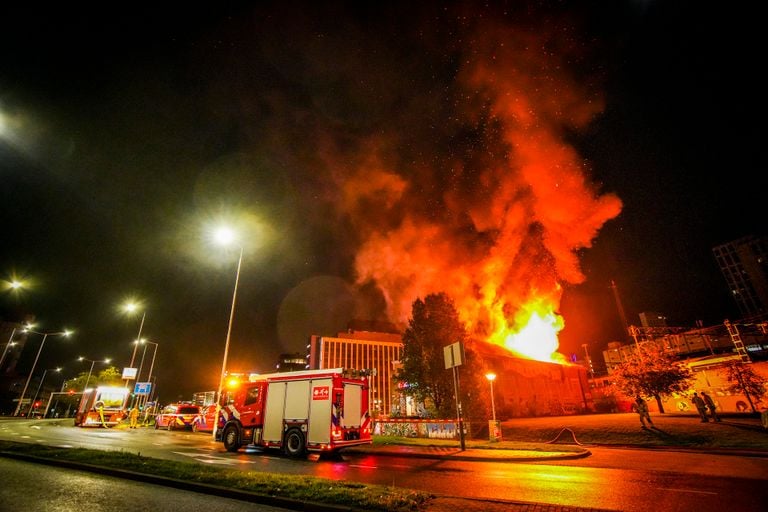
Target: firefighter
<point>134,416</point>
<point>642,410</point>
<point>701,406</point>
<point>99,406</point>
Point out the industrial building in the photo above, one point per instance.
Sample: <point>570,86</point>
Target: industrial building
<point>523,387</point>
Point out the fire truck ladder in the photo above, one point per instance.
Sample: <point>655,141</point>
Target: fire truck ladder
<point>733,331</point>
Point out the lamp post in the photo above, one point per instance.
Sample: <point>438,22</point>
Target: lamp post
<point>493,429</point>
<point>491,377</point>
<point>588,360</point>
<point>14,285</point>
<point>42,379</point>
<point>7,346</point>
<point>130,307</point>
<point>45,336</point>
<point>90,371</point>
<point>151,366</point>
<point>225,236</point>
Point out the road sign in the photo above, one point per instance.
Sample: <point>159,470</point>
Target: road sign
<point>142,388</point>
<point>453,355</point>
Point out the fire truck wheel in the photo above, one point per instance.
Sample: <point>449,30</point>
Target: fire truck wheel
<point>294,443</point>
<point>231,438</point>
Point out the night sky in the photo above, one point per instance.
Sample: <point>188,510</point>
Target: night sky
<point>368,154</point>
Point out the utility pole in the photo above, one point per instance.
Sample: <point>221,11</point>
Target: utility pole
<point>588,360</point>
<point>622,315</point>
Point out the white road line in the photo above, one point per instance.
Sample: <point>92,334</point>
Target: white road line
<point>692,491</point>
<point>363,466</point>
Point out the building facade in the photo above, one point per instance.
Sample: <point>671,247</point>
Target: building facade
<point>377,354</point>
<point>744,265</point>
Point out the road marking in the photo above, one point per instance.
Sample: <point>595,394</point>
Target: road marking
<point>208,459</point>
<point>693,491</point>
<point>363,466</point>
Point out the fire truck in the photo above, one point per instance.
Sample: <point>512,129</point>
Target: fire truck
<point>103,406</point>
<point>297,412</point>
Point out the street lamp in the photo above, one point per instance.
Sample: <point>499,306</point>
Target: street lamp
<point>225,236</point>
<point>64,333</point>
<point>81,358</point>
<point>494,432</point>
<point>7,346</point>
<point>130,307</point>
<point>491,377</point>
<point>42,379</point>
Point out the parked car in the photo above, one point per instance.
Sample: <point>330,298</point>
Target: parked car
<point>177,416</point>
<point>204,421</point>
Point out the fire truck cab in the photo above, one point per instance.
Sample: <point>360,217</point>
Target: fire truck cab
<point>297,412</point>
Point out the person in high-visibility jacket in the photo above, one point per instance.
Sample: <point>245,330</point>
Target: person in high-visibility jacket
<point>134,416</point>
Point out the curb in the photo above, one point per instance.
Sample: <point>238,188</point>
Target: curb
<point>472,458</point>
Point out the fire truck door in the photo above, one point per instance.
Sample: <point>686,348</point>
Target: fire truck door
<point>250,415</point>
<point>352,414</point>
<point>320,412</point>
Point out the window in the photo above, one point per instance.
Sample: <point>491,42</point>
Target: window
<point>251,396</point>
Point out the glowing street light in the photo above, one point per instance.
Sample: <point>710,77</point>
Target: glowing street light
<point>28,329</point>
<point>494,432</point>
<point>492,377</point>
<point>90,371</point>
<point>13,285</point>
<point>225,236</point>
<point>42,379</point>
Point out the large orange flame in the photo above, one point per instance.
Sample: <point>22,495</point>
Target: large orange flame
<point>533,334</point>
<point>501,233</point>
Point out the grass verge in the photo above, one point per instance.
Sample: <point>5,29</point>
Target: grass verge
<point>302,488</point>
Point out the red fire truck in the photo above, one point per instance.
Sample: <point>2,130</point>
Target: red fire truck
<point>298,412</point>
<point>103,406</point>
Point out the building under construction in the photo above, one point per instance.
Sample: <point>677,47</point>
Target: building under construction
<point>706,351</point>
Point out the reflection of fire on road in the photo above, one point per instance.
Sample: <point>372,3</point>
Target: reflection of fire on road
<point>497,221</point>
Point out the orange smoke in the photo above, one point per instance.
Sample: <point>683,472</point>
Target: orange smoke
<point>504,236</point>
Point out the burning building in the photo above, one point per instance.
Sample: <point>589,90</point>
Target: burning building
<point>523,387</point>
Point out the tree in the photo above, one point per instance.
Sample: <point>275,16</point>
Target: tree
<point>109,376</point>
<point>743,379</point>
<point>434,324</point>
<point>651,373</point>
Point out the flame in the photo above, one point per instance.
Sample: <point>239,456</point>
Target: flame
<point>536,336</point>
<point>499,228</point>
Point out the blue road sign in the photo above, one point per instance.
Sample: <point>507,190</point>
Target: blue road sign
<point>142,388</point>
